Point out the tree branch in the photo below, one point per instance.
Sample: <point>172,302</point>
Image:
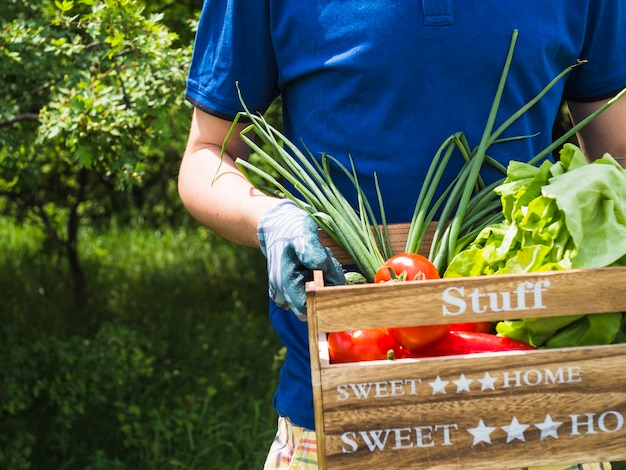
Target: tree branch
<point>19,118</point>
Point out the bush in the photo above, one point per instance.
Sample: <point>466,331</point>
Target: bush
<point>55,390</point>
<point>170,366</point>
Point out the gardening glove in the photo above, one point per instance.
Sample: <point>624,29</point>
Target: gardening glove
<point>289,240</point>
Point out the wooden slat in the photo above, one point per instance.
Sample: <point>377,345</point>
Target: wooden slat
<point>397,238</point>
<point>316,365</point>
<point>424,411</point>
<point>438,301</point>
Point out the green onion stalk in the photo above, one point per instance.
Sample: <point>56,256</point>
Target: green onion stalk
<point>357,231</point>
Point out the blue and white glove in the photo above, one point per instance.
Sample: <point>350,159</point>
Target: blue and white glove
<point>289,240</point>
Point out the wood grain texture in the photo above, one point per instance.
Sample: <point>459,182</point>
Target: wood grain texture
<point>423,413</point>
<point>397,238</point>
<point>316,366</point>
<point>487,411</point>
<point>498,297</point>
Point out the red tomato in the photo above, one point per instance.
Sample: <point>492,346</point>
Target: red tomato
<point>362,345</point>
<point>406,267</point>
<point>411,267</point>
<point>418,338</point>
<point>479,327</point>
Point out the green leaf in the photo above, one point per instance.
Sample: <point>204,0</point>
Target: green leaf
<point>64,5</point>
<point>589,330</point>
<point>83,156</point>
<point>593,199</point>
<point>535,331</point>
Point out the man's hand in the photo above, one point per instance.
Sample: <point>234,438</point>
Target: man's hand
<point>289,240</point>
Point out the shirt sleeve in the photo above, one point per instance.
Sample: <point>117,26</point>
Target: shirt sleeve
<point>604,50</point>
<point>232,49</point>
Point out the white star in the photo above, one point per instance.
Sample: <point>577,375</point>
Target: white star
<point>463,384</point>
<point>481,433</point>
<point>515,430</point>
<point>549,428</point>
<point>487,382</point>
<point>438,386</point>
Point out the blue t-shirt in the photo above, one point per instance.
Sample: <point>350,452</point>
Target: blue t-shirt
<point>387,82</point>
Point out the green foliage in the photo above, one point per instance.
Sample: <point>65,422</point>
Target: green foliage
<point>93,119</point>
<point>169,366</point>
<point>52,388</point>
<point>105,85</point>
<point>178,16</point>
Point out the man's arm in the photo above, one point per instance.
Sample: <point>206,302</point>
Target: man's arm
<point>216,193</point>
<point>606,133</point>
<point>212,188</point>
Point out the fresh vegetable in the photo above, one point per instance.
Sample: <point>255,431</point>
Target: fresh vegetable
<point>379,344</point>
<point>562,332</point>
<point>406,267</point>
<point>418,338</point>
<point>570,214</point>
<point>411,267</point>
<point>465,208</point>
<point>472,342</point>
<point>353,277</point>
<point>355,229</point>
<point>479,327</point>
<point>363,345</point>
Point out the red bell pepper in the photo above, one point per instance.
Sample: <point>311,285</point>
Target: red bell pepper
<point>469,342</point>
<point>480,326</point>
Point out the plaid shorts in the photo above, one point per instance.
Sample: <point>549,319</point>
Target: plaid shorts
<point>295,448</point>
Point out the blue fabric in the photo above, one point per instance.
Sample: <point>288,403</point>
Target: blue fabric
<point>387,82</point>
<point>438,12</point>
<point>294,395</point>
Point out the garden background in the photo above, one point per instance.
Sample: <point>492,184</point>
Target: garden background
<point>130,337</point>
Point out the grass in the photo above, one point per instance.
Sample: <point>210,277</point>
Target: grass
<point>195,356</point>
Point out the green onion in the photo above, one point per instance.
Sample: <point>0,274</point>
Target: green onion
<point>356,231</point>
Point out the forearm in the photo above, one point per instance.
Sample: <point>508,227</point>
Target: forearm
<point>606,133</point>
<point>219,196</point>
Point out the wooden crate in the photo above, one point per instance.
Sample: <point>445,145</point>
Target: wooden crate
<point>486,411</point>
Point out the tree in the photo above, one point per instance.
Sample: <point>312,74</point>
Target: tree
<point>93,106</point>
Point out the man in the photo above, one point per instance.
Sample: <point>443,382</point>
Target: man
<point>385,82</point>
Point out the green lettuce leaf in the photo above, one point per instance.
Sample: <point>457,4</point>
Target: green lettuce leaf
<point>535,331</point>
<point>589,330</point>
<point>569,214</point>
<point>593,200</point>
